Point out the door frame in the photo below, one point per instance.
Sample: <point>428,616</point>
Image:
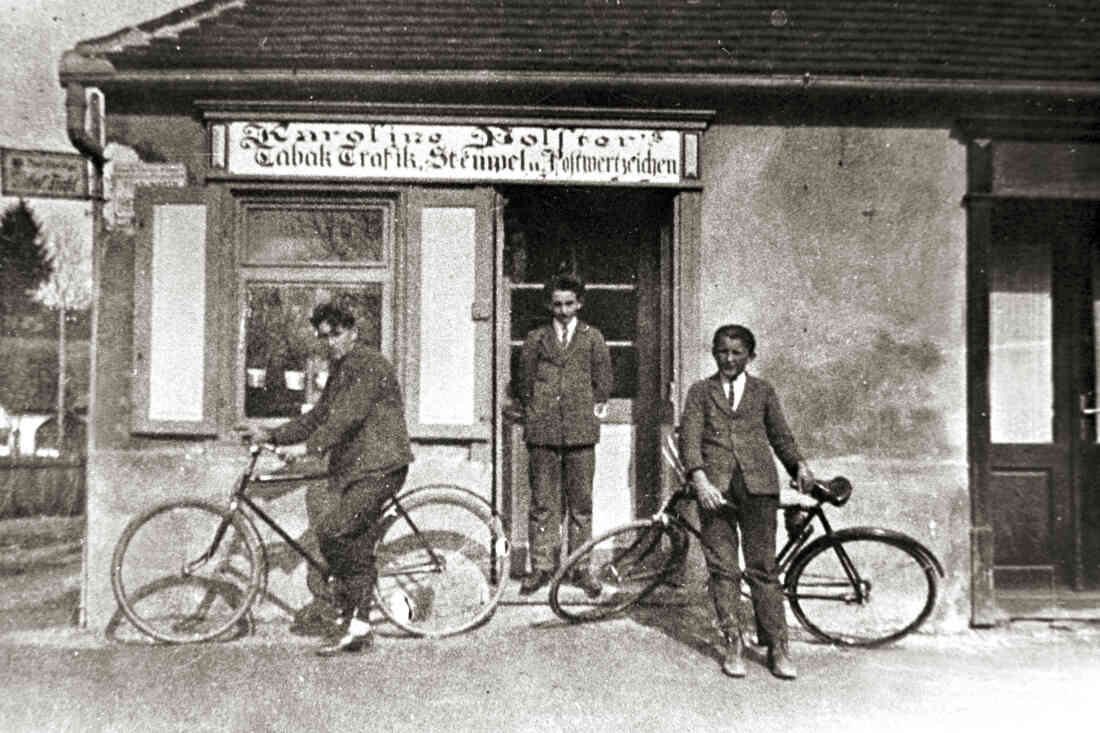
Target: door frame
<point>680,296</point>
<point>985,189</point>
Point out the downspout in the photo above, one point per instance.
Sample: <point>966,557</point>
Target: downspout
<point>75,115</point>
<point>75,112</point>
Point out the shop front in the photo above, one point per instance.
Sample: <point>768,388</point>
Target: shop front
<point>914,253</point>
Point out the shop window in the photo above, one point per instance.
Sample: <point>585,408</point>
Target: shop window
<point>295,255</point>
<point>286,367</point>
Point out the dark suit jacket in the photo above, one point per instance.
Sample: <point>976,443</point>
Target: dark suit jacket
<point>559,387</point>
<point>359,419</point>
<point>716,439</point>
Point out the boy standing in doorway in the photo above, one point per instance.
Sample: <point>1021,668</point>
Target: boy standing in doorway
<point>564,383</point>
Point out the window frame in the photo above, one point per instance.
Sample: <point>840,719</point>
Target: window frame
<point>384,272</point>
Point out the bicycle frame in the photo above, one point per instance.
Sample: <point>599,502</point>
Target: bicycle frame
<point>860,588</point>
<point>240,496</point>
<point>669,514</point>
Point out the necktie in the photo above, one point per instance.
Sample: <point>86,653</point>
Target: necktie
<point>733,398</point>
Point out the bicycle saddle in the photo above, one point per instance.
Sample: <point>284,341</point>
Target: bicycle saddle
<point>835,491</point>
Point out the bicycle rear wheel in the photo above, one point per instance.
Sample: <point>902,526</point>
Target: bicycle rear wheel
<point>441,570</point>
<point>898,589</point>
<point>166,588</point>
<point>630,561</point>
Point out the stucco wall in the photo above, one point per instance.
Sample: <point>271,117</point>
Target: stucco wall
<point>844,249</point>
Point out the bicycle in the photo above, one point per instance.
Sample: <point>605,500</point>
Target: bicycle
<point>859,586</point>
<point>188,570</point>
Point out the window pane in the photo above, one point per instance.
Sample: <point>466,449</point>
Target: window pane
<point>296,234</point>
<point>1021,385</point>
<point>596,234</point>
<point>280,339</point>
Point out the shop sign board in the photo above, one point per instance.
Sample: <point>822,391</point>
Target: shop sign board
<point>122,178</point>
<point>446,152</point>
<point>42,174</point>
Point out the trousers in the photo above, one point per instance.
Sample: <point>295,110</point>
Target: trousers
<point>346,529</point>
<point>755,517</point>
<point>557,475</point>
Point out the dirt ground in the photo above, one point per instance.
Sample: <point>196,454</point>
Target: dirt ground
<point>524,670</point>
<point>40,562</point>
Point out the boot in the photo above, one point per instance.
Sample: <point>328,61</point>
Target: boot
<point>587,582</point>
<point>779,662</point>
<point>733,664</point>
<point>357,636</point>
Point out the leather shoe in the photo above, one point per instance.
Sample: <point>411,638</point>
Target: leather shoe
<point>348,642</point>
<point>587,582</point>
<point>779,662</point>
<point>534,581</point>
<point>733,664</point>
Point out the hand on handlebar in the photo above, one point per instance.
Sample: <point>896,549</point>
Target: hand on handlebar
<point>804,478</point>
<point>708,495</point>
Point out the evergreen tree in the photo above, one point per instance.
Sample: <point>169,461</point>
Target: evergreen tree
<point>24,259</point>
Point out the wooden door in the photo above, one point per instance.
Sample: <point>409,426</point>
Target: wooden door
<point>1043,389</point>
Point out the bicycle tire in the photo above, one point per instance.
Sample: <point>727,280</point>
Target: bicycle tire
<point>630,561</point>
<point>169,605</point>
<point>900,582</point>
<point>461,529</point>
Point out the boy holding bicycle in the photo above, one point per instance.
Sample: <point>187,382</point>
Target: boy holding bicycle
<point>731,424</point>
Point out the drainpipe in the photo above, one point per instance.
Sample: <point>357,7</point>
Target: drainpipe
<point>75,110</point>
<point>75,114</point>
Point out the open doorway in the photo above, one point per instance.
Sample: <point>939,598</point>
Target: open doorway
<point>619,241</point>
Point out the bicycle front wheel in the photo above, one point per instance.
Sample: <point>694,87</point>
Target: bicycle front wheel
<point>441,564</point>
<point>187,571</point>
<point>861,590</point>
<point>629,561</point>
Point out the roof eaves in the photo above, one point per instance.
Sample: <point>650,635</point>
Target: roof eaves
<point>694,82</point>
<point>91,54</point>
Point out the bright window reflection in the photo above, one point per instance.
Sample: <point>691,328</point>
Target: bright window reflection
<point>1021,381</point>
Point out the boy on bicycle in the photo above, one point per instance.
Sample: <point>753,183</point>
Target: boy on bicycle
<point>731,424</point>
<point>359,422</point>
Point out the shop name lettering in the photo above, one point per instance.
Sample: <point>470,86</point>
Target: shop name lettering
<point>526,152</point>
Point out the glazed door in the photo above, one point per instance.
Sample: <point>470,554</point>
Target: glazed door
<point>619,241</point>
<point>1043,389</point>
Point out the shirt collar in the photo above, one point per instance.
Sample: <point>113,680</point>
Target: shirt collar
<point>569,327</point>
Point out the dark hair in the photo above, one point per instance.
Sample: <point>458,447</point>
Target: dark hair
<point>333,315</point>
<point>739,333</point>
<point>565,281</point>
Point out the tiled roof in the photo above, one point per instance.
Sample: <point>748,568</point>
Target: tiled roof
<point>973,40</point>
